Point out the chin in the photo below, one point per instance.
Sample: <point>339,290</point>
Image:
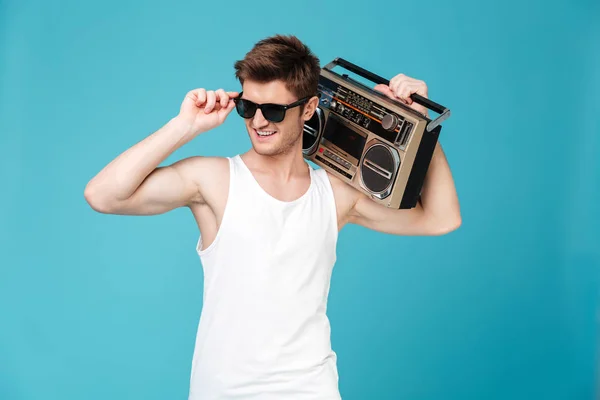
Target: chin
<point>266,150</point>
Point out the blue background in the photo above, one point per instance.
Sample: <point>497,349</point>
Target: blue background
<point>97,306</point>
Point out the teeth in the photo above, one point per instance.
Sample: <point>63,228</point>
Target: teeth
<point>265,133</point>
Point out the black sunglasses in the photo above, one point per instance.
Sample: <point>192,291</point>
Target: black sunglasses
<point>272,112</point>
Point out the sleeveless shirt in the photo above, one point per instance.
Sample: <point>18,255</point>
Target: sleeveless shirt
<point>263,332</point>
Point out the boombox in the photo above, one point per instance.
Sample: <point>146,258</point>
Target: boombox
<point>380,146</point>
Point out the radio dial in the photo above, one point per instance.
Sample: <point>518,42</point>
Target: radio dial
<point>389,122</point>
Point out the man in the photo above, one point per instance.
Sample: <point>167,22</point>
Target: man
<point>268,224</point>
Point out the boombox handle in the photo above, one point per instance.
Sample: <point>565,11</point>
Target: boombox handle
<point>425,102</point>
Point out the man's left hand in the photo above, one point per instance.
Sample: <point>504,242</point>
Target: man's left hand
<point>401,87</point>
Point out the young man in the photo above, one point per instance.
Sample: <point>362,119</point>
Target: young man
<point>268,225</point>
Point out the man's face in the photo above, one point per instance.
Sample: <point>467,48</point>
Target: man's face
<point>279,137</point>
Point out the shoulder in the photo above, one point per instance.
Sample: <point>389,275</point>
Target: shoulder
<point>209,175</point>
<point>345,196</point>
<point>202,167</point>
<point>342,189</point>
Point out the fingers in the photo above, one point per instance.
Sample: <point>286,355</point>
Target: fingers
<point>400,86</point>
<point>198,96</point>
<point>211,99</point>
<point>405,89</point>
<point>221,97</point>
<point>394,82</point>
<point>404,86</point>
<point>223,112</point>
<point>218,99</point>
<point>385,90</point>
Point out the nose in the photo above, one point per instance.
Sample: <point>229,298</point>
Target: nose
<point>259,120</point>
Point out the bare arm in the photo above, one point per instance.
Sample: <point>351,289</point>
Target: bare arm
<point>437,212</point>
<point>133,183</point>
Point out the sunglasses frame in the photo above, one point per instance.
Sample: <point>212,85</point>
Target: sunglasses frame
<point>278,106</point>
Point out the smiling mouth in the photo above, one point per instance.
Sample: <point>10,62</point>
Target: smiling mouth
<point>265,133</point>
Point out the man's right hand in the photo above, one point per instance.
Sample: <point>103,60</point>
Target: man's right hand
<point>204,109</point>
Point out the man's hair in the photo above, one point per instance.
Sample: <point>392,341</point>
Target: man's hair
<point>283,58</point>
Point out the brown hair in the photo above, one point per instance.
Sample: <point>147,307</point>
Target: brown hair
<point>283,58</point>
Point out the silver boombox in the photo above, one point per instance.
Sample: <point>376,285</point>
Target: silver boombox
<point>380,146</point>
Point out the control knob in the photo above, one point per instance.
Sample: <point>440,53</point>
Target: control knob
<point>389,122</point>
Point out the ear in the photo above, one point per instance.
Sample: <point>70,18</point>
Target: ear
<point>310,107</point>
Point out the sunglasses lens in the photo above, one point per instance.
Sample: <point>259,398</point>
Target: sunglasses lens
<point>245,108</point>
<point>273,113</point>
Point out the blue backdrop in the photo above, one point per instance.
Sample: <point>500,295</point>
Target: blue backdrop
<point>96,306</point>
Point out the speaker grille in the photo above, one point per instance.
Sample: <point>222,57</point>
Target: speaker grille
<point>312,132</point>
<point>377,168</point>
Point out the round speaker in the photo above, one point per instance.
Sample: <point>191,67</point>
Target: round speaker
<point>378,169</point>
<point>312,132</point>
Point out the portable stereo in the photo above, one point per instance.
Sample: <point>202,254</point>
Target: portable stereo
<point>379,145</point>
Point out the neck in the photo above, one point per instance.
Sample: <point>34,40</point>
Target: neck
<point>283,167</point>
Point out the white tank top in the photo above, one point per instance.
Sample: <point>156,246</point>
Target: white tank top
<point>263,332</point>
